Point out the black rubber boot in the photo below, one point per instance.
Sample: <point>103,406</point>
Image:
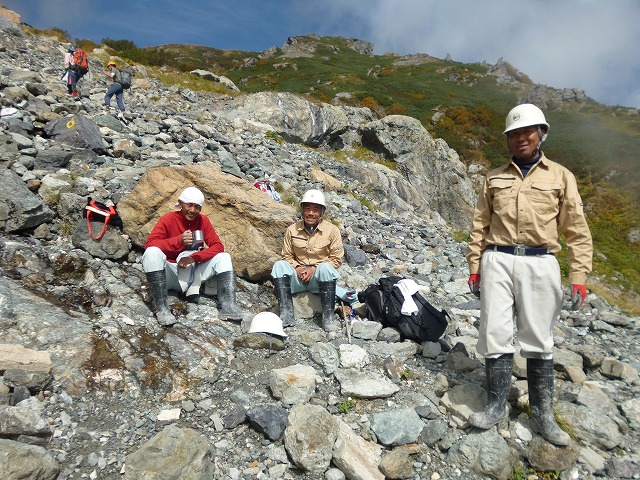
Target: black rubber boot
<point>158,286</point>
<point>227,297</point>
<point>498,373</point>
<point>540,378</point>
<point>328,302</point>
<point>285,300</point>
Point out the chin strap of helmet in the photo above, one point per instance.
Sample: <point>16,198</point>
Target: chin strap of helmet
<point>542,135</point>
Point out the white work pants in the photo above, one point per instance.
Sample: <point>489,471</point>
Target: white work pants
<point>526,289</point>
<point>154,259</point>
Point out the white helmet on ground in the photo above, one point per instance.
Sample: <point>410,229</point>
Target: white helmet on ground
<point>267,322</point>
<point>313,196</point>
<point>525,115</point>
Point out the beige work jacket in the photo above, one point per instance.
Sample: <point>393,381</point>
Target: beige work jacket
<point>323,245</point>
<point>513,210</point>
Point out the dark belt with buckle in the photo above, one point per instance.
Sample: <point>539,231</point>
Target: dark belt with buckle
<point>520,250</point>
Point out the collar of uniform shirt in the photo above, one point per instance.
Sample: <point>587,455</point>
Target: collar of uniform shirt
<point>312,229</point>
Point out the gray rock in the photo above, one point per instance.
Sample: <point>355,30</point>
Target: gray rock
<point>433,431</point>
<point>365,329</point>
<point>631,411</point>
<point>112,245</point>
<point>235,417</point>
<point>397,427</point>
<point>268,419</point>
<point>294,384</point>
<point>355,456</point>
<point>32,380</point>
<point>354,256</point>
<point>486,453</point>
<point>364,384</point>
<point>621,468</point>
<point>20,209</point>
<point>18,460</point>
<point>15,421</point>
<point>309,437</point>
<point>544,456</point>
<point>397,464</point>
<point>591,426</point>
<point>334,474</point>
<point>172,453</point>
<point>326,355</point>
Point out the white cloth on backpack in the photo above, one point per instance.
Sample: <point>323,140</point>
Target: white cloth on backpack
<point>408,288</point>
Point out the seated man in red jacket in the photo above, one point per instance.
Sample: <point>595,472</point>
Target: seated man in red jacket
<point>182,251</point>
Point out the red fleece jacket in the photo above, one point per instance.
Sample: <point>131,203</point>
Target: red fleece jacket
<point>167,232</point>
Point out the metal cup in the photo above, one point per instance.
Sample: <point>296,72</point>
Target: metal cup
<point>198,236</point>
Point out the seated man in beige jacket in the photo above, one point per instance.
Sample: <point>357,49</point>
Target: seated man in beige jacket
<point>311,254</point>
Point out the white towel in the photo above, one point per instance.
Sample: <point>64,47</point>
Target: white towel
<point>408,288</point>
<point>189,278</point>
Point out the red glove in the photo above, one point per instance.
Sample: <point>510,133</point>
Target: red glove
<point>578,294</point>
<point>474,284</point>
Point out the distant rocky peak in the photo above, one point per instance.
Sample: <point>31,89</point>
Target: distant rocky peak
<point>307,44</point>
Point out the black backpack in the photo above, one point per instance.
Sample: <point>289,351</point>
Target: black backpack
<point>384,304</point>
<point>125,79</point>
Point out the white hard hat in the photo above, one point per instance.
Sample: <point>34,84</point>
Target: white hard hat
<point>267,322</point>
<point>313,196</point>
<point>191,195</point>
<point>525,115</point>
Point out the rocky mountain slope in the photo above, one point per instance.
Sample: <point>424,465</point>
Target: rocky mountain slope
<point>93,387</point>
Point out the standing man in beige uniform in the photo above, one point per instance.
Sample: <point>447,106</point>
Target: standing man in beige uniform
<point>511,260</point>
<point>311,254</point>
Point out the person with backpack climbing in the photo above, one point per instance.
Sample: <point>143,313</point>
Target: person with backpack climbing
<point>513,270</point>
<point>76,64</point>
<point>311,254</point>
<point>68,60</point>
<point>183,252</point>
<point>115,88</point>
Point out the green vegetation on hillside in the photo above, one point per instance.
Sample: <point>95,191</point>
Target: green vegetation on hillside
<point>464,105</point>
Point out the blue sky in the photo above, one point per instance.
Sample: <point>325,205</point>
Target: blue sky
<point>588,44</point>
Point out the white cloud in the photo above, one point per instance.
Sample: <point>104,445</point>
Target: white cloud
<point>586,44</point>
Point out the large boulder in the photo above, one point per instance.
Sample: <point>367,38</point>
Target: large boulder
<point>250,224</point>
<point>77,131</point>
<point>295,118</point>
<point>434,176</point>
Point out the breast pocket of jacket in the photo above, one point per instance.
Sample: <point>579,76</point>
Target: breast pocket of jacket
<point>300,244</point>
<point>321,246</point>
<point>503,192</point>
<point>543,197</point>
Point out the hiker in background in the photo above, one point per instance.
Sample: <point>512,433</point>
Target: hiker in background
<point>182,251</point>
<point>311,254</point>
<point>115,88</point>
<point>70,75</point>
<point>513,269</point>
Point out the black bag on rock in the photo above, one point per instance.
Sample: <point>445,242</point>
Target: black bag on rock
<point>384,304</point>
